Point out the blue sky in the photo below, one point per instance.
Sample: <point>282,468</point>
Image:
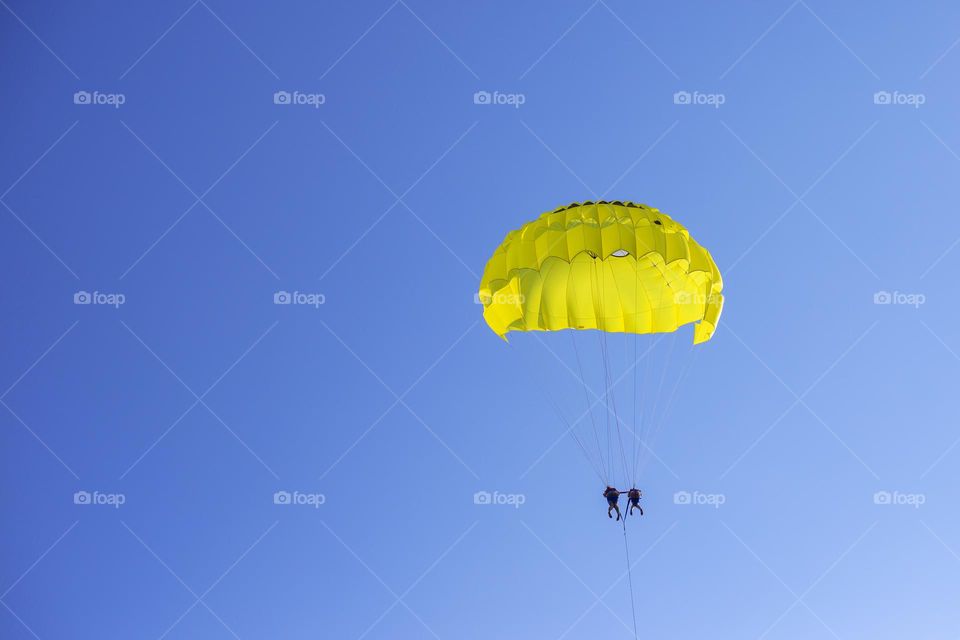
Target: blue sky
<point>146,434</point>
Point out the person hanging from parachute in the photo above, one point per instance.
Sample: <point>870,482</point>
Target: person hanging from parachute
<point>633,499</point>
<point>606,267</point>
<point>613,497</point>
<point>610,267</point>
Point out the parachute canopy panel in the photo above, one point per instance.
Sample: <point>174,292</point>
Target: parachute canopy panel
<point>612,266</point>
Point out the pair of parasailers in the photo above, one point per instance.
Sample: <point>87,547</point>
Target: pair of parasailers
<point>613,497</point>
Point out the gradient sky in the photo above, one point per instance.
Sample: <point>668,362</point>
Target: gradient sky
<point>197,399</point>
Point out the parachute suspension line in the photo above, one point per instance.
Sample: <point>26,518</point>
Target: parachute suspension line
<point>607,378</point>
<point>636,390</point>
<point>606,405</point>
<point>688,365</point>
<point>598,313</point>
<point>586,396</point>
<point>613,402</point>
<point>638,428</point>
<point>570,428</point>
<point>649,357</point>
<point>562,418</point>
<point>663,375</point>
<point>664,367</point>
<point>642,434</point>
<point>633,605</point>
<point>572,432</point>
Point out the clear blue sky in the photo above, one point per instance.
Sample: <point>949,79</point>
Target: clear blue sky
<point>197,399</point>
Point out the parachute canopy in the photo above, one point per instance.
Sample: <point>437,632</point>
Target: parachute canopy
<point>613,266</point>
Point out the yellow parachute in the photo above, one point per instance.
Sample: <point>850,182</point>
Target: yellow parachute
<point>614,266</point>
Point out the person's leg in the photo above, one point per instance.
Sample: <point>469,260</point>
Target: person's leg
<point>641,509</point>
<point>609,509</point>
